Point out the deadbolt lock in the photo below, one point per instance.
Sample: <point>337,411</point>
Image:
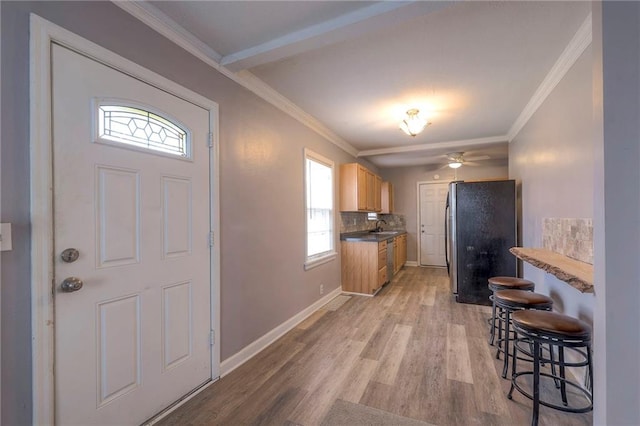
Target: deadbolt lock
<point>70,255</point>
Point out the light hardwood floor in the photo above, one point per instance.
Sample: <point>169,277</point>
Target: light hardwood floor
<point>411,351</point>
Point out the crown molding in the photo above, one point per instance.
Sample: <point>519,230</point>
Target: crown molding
<point>433,146</point>
<point>580,41</point>
<point>267,92</point>
<point>160,22</point>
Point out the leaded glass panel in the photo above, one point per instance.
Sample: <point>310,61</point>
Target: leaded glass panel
<point>141,128</point>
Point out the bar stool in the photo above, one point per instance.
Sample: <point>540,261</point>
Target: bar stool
<point>556,330</point>
<point>504,283</point>
<point>509,301</point>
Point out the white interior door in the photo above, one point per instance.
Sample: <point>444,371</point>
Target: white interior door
<point>433,197</point>
<point>135,337</point>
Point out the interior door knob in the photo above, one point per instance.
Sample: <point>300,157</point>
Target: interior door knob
<point>71,284</point>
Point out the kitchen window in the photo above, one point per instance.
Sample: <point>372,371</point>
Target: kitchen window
<point>319,212</point>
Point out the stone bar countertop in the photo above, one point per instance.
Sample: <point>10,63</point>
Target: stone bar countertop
<point>367,236</point>
<point>577,274</point>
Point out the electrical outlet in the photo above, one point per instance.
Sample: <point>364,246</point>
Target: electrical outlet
<point>321,289</point>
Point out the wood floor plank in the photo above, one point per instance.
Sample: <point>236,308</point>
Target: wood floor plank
<point>314,406</point>
<point>358,379</point>
<point>486,378</point>
<point>311,319</point>
<point>458,360</point>
<point>393,354</point>
<point>411,351</point>
<point>378,341</point>
<point>429,296</point>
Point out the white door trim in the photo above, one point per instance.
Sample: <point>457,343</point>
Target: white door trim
<point>418,230</point>
<point>43,33</point>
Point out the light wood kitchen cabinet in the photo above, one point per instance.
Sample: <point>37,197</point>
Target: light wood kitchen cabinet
<point>364,268</point>
<point>386,193</point>
<point>400,252</point>
<point>359,189</point>
<point>360,186</point>
<point>371,191</point>
<point>378,194</point>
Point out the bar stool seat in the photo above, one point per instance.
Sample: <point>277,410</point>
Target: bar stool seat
<point>509,301</point>
<point>557,330</point>
<point>524,299</point>
<point>510,283</point>
<point>553,323</point>
<point>504,283</point>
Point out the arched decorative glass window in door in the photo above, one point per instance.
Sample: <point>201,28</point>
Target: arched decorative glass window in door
<point>142,129</point>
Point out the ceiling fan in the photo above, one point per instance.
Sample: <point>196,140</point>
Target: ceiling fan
<point>457,159</point>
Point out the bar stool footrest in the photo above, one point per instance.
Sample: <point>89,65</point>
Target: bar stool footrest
<point>568,409</point>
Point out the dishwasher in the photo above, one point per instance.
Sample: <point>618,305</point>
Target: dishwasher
<point>390,259</point>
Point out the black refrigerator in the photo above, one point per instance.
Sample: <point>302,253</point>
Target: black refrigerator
<point>480,228</point>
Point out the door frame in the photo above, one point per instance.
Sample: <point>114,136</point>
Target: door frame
<point>418,218</point>
<point>43,33</point>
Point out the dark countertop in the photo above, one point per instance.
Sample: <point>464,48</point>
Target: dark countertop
<point>366,236</point>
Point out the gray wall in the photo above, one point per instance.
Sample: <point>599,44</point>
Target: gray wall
<point>261,159</point>
<point>405,193</point>
<point>616,106</point>
<point>552,161</point>
<point>586,142</point>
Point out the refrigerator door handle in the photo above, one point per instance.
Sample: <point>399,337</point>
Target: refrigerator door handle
<point>446,235</point>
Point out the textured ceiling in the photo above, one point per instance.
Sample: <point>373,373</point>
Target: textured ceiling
<point>470,67</point>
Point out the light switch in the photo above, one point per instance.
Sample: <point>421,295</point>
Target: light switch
<point>5,236</point>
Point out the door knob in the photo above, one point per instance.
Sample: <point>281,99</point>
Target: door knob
<point>71,284</point>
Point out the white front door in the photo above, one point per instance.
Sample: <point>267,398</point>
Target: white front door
<point>433,197</point>
<point>131,195</point>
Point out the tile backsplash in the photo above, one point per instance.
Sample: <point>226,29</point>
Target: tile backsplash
<point>572,237</point>
<point>354,222</point>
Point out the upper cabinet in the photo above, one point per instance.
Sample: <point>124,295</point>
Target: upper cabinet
<point>387,197</point>
<point>360,189</point>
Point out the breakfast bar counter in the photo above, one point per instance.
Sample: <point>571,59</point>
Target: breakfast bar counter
<point>577,274</point>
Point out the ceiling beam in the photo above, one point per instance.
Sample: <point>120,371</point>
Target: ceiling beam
<point>434,146</point>
<point>349,25</point>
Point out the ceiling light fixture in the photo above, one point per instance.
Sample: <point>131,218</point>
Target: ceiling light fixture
<point>413,124</point>
<point>455,164</point>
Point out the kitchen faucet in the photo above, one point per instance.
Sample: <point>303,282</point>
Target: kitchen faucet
<point>378,228</point>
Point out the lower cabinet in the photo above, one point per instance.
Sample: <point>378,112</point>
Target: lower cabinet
<point>364,263</point>
<point>364,267</point>
<point>400,252</point>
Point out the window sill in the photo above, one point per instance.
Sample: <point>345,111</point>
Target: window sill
<point>312,263</point>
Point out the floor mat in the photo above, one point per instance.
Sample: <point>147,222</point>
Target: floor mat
<point>347,413</point>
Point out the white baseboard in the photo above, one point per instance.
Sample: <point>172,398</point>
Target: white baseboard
<point>249,351</point>
<point>410,263</point>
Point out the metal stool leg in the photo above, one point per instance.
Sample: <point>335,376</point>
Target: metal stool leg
<point>492,334</point>
<point>500,340</point>
<point>536,382</point>
<point>563,384</point>
<point>513,369</point>
<point>506,340</point>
